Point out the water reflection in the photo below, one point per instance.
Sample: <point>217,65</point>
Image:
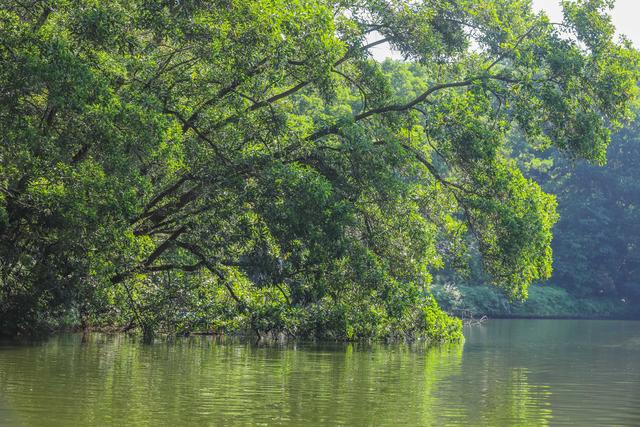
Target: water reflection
<point>507,373</point>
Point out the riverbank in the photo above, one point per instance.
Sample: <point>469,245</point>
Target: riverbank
<point>544,302</point>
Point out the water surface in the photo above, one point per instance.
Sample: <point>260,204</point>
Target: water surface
<point>508,372</point>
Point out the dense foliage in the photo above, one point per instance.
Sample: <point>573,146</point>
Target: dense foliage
<point>597,239</point>
<point>245,165</point>
<point>596,248</point>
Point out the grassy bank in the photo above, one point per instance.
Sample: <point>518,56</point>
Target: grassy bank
<point>543,302</point>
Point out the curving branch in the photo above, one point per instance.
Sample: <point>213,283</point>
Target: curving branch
<point>212,268</point>
<point>423,160</point>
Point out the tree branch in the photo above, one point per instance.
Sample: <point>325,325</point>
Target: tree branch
<point>197,252</point>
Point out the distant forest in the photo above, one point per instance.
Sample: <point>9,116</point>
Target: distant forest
<point>596,245</point>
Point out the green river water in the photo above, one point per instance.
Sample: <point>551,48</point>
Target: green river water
<point>508,372</point>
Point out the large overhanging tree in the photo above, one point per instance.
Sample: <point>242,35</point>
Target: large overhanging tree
<point>166,161</point>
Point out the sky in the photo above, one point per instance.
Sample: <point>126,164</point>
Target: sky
<point>625,15</point>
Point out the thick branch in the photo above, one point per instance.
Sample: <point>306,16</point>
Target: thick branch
<point>121,277</point>
<point>411,104</point>
<point>234,118</point>
<point>167,192</point>
<point>159,214</point>
<point>198,253</point>
<point>169,267</point>
<point>164,246</point>
<point>433,170</point>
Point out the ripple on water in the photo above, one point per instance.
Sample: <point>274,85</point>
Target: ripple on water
<point>507,373</point>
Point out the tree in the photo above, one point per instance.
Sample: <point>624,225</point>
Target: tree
<point>596,238</point>
<point>156,153</point>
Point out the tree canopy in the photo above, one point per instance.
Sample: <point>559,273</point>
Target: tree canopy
<point>595,244</point>
<point>231,163</point>
<point>596,240</point>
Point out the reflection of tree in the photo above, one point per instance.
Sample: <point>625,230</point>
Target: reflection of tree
<point>530,404</point>
<point>485,395</point>
<point>356,385</point>
<point>496,387</point>
<point>440,365</point>
<point>199,381</point>
<point>514,401</point>
<point>112,379</point>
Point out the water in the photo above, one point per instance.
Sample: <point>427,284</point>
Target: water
<point>508,372</point>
